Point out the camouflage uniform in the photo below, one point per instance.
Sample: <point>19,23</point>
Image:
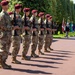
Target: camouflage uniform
<point>34,35</point>
<point>16,40</point>
<point>48,37</point>
<point>26,38</point>
<point>5,35</point>
<point>41,34</point>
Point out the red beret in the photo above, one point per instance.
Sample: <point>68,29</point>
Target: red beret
<point>47,15</point>
<point>18,6</point>
<point>26,9</point>
<point>10,13</point>
<point>41,14</point>
<point>50,17</point>
<point>34,11</point>
<point>4,2</point>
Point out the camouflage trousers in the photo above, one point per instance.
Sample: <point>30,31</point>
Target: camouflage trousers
<point>48,41</point>
<point>16,40</point>
<point>26,40</point>
<point>5,43</point>
<point>41,42</point>
<point>34,43</point>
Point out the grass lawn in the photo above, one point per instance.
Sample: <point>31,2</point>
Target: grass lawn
<point>71,34</point>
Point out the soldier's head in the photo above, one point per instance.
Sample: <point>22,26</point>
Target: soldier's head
<point>50,18</point>
<point>18,8</point>
<point>10,13</point>
<point>4,4</point>
<point>41,15</point>
<point>47,16</point>
<point>26,11</point>
<point>34,12</point>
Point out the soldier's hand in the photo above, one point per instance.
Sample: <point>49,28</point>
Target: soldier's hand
<point>47,28</point>
<point>34,29</point>
<point>42,29</point>
<point>26,28</point>
<point>16,27</point>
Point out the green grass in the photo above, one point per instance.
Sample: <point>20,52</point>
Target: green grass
<point>71,34</point>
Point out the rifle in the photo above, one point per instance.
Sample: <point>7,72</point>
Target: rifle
<point>34,34</point>
<point>15,24</point>
<point>41,26</point>
<point>25,23</point>
<point>47,25</point>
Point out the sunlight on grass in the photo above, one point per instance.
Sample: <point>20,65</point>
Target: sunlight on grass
<point>71,34</point>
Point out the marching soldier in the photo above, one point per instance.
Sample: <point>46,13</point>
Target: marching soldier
<point>26,38</point>
<point>34,21</point>
<point>16,33</point>
<point>48,33</point>
<point>5,34</point>
<point>41,32</point>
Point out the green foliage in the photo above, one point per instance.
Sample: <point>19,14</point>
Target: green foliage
<point>59,9</point>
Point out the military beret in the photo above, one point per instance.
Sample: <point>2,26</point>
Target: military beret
<point>34,11</point>
<point>26,9</point>
<point>41,14</point>
<point>18,6</point>
<point>10,13</point>
<point>47,15</point>
<point>4,3</point>
<point>50,17</point>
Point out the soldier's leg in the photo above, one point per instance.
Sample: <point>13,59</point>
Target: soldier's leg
<point>34,46</point>
<point>4,54</point>
<point>16,47</point>
<point>51,39</point>
<point>26,45</point>
<point>40,45</point>
<point>47,41</point>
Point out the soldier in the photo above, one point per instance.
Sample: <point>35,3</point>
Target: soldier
<point>48,33</point>
<point>41,32</point>
<point>5,34</point>
<point>52,30</point>
<point>26,38</point>
<point>16,34</point>
<point>34,21</point>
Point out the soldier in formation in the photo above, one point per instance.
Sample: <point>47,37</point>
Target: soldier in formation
<point>35,33</point>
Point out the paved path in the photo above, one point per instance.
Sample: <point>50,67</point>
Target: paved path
<point>61,61</point>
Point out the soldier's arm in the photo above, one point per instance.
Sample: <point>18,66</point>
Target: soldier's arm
<point>2,22</point>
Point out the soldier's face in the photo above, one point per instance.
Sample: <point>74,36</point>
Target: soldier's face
<point>51,19</point>
<point>20,10</point>
<point>5,7</point>
<point>36,14</point>
<point>28,13</point>
<point>43,16</point>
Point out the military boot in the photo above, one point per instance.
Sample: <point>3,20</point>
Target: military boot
<point>46,50</point>
<point>40,52</point>
<point>15,61</point>
<point>50,48</point>
<point>6,64</point>
<point>34,55</point>
<point>3,65</point>
<point>25,57</point>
